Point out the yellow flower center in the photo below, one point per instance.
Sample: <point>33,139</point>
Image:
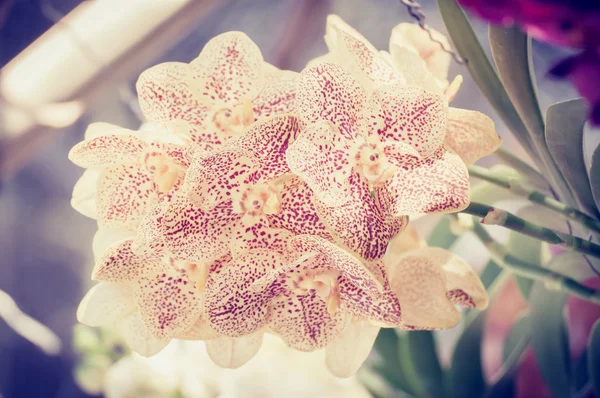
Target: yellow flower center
<point>370,160</point>
<point>197,273</point>
<point>256,200</point>
<point>234,121</point>
<point>165,172</point>
<point>324,283</point>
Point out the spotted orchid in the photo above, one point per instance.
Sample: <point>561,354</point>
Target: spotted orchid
<point>220,93</point>
<point>413,60</point>
<point>128,171</point>
<point>264,201</point>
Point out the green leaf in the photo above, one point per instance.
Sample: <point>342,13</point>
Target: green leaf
<point>510,49</point>
<point>564,137</point>
<point>480,68</point>
<point>441,236</point>
<point>527,249</point>
<point>420,364</point>
<point>594,357</point>
<point>465,373</point>
<point>595,176</point>
<point>591,141</point>
<point>550,340</point>
<point>386,346</point>
<point>489,274</point>
<point>517,339</point>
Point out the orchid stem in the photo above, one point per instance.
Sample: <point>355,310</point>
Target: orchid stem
<point>494,216</point>
<point>534,196</point>
<point>530,271</point>
<point>523,168</point>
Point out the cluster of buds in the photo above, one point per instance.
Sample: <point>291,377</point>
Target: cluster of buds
<point>258,200</point>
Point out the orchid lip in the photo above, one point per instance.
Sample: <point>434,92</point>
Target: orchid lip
<point>256,200</point>
<point>165,172</point>
<point>323,282</point>
<point>234,121</point>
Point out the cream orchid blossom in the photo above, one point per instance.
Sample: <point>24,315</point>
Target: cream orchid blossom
<point>220,93</point>
<point>372,160</point>
<point>240,219</point>
<point>128,171</point>
<point>149,301</point>
<point>414,60</point>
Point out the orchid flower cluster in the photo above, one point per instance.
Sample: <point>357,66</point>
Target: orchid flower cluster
<point>257,200</point>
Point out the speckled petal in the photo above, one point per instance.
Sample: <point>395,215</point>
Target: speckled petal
<point>197,236</point>
<point>201,330</point>
<point>438,184</point>
<point>463,286</point>
<point>327,92</point>
<point>278,96</point>
<point>213,179</point>
<point>150,237</point>
<point>107,150</point>
<point>346,354</point>
<point>169,303</point>
<point>120,264</point>
<point>472,135</point>
<point>383,308</point>
<point>84,193</point>
<point>413,37</point>
<point>357,55</point>
<point>97,129</point>
<point>125,193</point>
<point>229,68</point>
<point>334,24</point>
<point>331,256</point>
<point>260,235</point>
<point>298,213</point>
<point>105,304</point>
<point>232,353</point>
<point>322,160</point>
<point>303,322</point>
<point>418,279</point>
<point>137,336</point>
<point>361,225</point>
<point>105,238</point>
<point>414,69</point>
<point>166,92</point>
<point>233,308</point>
<point>268,140</point>
<point>411,115</point>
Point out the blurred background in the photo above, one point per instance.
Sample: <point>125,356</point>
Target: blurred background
<point>58,74</point>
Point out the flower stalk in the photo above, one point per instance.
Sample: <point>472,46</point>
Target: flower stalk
<point>551,279</point>
<point>534,176</point>
<point>518,188</point>
<point>494,216</point>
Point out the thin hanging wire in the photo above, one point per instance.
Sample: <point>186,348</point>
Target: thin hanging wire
<point>416,11</point>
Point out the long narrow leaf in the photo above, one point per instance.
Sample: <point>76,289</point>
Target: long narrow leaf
<point>564,136</point>
<point>594,357</point>
<point>419,363</point>
<point>511,50</point>
<point>386,346</point>
<point>595,176</point>
<point>466,373</point>
<point>550,340</point>
<point>517,338</point>
<point>511,56</point>
<point>480,68</point>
